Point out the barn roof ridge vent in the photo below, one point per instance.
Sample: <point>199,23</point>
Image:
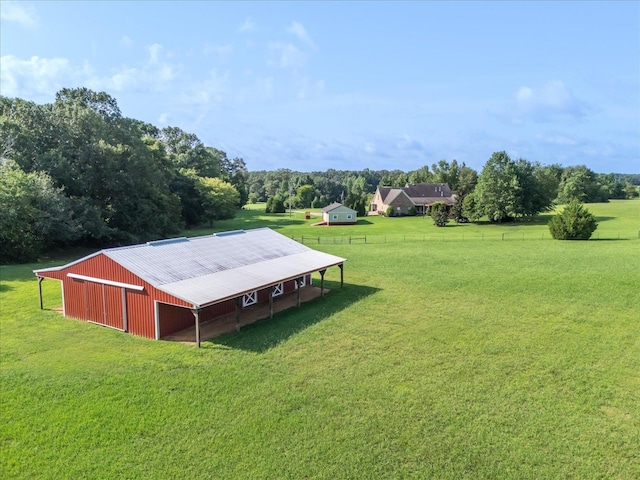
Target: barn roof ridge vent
<point>168,241</point>
<point>229,233</point>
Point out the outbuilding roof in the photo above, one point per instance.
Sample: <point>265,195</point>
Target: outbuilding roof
<point>335,205</point>
<point>213,268</point>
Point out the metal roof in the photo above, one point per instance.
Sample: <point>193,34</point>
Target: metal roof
<point>212,268</point>
<point>216,287</point>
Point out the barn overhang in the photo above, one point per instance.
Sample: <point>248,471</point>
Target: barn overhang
<point>218,287</point>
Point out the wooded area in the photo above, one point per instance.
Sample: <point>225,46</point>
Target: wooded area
<point>77,172</point>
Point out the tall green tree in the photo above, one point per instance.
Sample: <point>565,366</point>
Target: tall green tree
<point>445,172</point>
<point>581,183</point>
<point>220,199</point>
<point>508,189</point>
<point>34,214</point>
<point>305,195</point>
<point>497,193</point>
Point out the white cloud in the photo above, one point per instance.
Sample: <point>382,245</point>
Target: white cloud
<point>163,119</point>
<point>213,90</point>
<point>286,55</point>
<point>268,86</point>
<point>301,33</point>
<point>247,26</point>
<point>34,77</point>
<point>126,42</point>
<point>221,50</point>
<point>560,140</point>
<point>38,78</point>
<point>154,52</point>
<point>155,74</point>
<point>407,143</point>
<point>552,101</point>
<point>21,14</point>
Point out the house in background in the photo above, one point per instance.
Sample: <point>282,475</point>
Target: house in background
<point>159,288</point>
<point>338,214</point>
<point>418,195</point>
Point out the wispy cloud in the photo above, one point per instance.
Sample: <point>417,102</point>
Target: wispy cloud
<point>550,102</point>
<point>126,41</point>
<point>35,77</point>
<point>155,74</point>
<point>247,26</point>
<point>212,90</point>
<point>221,50</point>
<point>24,15</point>
<point>301,33</point>
<point>286,55</point>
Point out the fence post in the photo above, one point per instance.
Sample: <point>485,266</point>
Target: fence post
<point>503,237</point>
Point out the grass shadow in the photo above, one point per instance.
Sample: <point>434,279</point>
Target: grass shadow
<point>263,335</point>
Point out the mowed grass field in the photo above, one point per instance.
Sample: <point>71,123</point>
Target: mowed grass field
<point>442,357</point>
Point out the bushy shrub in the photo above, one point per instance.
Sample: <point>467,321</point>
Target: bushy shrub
<point>412,211</point>
<point>275,205</point>
<point>574,223</point>
<point>440,214</point>
<point>390,211</point>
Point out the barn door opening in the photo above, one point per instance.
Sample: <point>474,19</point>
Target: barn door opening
<point>103,305</point>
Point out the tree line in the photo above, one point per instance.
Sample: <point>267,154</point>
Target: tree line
<point>77,172</point>
<point>504,190</point>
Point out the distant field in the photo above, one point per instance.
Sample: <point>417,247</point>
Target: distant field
<point>617,219</point>
<point>444,357</point>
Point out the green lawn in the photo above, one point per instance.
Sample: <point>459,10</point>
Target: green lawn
<point>440,358</point>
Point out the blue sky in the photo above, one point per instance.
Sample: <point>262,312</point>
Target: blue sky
<point>350,85</point>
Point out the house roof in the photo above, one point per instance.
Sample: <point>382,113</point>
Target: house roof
<point>419,193</point>
<point>384,191</point>
<point>213,268</point>
<point>431,190</point>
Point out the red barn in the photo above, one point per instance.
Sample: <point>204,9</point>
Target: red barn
<point>159,288</point>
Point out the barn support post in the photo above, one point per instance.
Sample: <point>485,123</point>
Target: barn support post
<point>270,302</point>
<point>341,274</point>
<point>322,272</point>
<point>298,289</point>
<point>237,302</point>
<point>40,290</point>
<point>196,315</point>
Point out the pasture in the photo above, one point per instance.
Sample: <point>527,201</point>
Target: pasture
<point>471,351</point>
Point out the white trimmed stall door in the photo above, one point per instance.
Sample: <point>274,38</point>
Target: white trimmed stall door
<point>250,298</point>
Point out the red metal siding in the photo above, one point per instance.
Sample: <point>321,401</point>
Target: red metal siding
<point>86,301</point>
<point>172,319</point>
<point>93,302</point>
<point>113,303</point>
<point>217,310</point>
<point>101,303</point>
<point>74,298</point>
